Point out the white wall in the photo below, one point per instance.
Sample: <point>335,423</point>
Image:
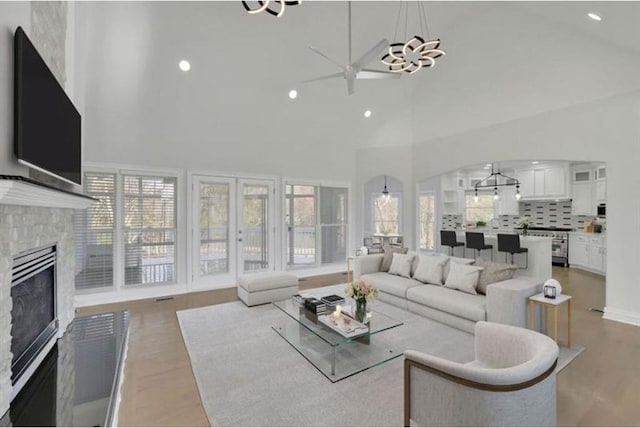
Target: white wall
<point>605,130</point>
<point>12,15</point>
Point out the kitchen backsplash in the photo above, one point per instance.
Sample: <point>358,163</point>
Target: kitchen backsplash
<point>450,221</point>
<point>543,213</point>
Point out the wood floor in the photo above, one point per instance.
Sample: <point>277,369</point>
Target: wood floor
<point>600,387</point>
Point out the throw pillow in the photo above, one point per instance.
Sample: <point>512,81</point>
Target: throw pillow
<point>492,273</point>
<point>430,269</point>
<point>463,277</point>
<point>388,257</point>
<point>459,260</point>
<point>401,265</point>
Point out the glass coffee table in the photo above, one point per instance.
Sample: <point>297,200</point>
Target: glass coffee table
<point>334,355</point>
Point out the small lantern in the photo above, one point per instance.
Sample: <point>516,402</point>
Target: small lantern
<point>551,289</point>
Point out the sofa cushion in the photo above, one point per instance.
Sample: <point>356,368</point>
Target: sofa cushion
<point>431,269</point>
<point>459,260</point>
<point>390,284</point>
<point>388,256</point>
<point>401,265</point>
<point>463,278</point>
<point>463,305</point>
<point>492,273</point>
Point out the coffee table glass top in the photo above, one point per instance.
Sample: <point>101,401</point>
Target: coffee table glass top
<point>335,356</point>
<point>378,322</point>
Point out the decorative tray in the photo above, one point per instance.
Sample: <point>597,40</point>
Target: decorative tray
<point>344,325</point>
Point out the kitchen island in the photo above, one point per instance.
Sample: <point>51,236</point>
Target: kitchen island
<point>539,265</point>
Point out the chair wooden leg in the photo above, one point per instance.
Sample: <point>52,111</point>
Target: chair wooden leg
<point>407,394</point>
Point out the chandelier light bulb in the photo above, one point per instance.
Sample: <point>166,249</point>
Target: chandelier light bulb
<point>293,94</point>
<point>367,114</point>
<point>518,195</point>
<point>496,195</point>
<point>475,197</point>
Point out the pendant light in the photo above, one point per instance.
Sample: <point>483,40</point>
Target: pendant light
<point>385,192</point>
<point>414,53</point>
<point>492,181</point>
<point>273,7</point>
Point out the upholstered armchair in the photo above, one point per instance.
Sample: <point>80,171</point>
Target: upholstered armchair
<point>511,382</point>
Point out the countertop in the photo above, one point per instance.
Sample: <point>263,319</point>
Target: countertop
<point>582,232</point>
<point>493,235</point>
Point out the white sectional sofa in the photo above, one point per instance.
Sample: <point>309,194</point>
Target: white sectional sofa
<point>505,302</point>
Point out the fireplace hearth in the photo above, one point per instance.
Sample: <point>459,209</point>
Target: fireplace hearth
<point>34,322</point>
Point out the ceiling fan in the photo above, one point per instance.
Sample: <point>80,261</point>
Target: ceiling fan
<point>356,70</point>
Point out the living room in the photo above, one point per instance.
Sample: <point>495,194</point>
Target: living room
<point>201,113</point>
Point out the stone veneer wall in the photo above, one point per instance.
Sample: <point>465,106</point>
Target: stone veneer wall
<point>21,229</point>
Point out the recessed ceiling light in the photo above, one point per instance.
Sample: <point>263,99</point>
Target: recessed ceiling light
<point>184,65</point>
<point>594,16</point>
<point>293,94</point>
<point>486,167</point>
<point>367,113</point>
<point>535,162</point>
<point>487,164</point>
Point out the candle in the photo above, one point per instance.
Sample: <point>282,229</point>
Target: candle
<point>337,312</point>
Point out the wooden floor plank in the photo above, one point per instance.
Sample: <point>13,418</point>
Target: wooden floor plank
<point>600,387</point>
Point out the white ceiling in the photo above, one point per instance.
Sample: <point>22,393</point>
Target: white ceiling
<point>504,60</point>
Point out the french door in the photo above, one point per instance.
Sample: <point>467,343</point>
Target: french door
<point>233,229</point>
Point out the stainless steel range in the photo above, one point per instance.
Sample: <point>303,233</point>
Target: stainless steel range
<point>559,242</point>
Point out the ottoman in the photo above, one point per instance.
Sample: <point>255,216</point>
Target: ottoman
<point>266,287</point>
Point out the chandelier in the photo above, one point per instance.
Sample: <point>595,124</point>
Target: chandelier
<point>415,53</point>
<point>385,192</point>
<point>491,181</point>
<point>274,7</point>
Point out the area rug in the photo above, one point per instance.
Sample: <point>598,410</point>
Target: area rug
<point>248,375</point>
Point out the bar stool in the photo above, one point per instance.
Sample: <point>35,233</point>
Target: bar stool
<point>475,241</point>
<point>449,239</point>
<point>510,243</point>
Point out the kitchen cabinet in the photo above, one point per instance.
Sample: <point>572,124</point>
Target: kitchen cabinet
<point>601,192</point>
<point>588,252</point>
<point>578,250</point>
<point>543,183</point>
<point>582,203</point>
<point>508,204</point>
<point>554,182</point>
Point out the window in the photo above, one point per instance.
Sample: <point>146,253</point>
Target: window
<point>94,233</point>
<point>149,229</point>
<point>144,251</point>
<point>483,210</point>
<point>316,220</point>
<point>214,228</point>
<point>426,218</point>
<point>386,214</point>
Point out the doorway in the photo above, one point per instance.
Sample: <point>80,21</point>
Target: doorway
<point>233,229</point>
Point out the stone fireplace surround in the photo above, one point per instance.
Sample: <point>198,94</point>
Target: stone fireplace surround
<point>32,216</point>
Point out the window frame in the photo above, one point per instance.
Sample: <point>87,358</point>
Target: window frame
<point>180,282</point>
<point>436,227</point>
<point>318,226</point>
<point>372,209</point>
<point>480,193</point>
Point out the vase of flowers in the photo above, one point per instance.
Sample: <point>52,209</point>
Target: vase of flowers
<point>524,223</point>
<point>362,293</point>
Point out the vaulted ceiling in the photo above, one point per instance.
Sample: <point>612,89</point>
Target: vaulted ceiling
<point>504,60</point>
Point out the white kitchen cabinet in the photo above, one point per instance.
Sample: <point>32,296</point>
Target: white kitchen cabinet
<point>578,250</point>
<point>582,176</point>
<point>600,173</point>
<point>543,183</point>
<point>508,204</point>
<point>582,196</point>
<point>588,252</point>
<point>601,192</point>
<point>526,183</point>
<point>554,182</point>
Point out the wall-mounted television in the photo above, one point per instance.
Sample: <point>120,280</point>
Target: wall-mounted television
<point>46,123</point>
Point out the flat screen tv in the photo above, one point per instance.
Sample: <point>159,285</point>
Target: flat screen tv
<point>47,125</point>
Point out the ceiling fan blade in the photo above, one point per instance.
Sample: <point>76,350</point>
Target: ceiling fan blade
<point>372,54</point>
<point>328,76</point>
<point>351,83</point>
<point>342,67</point>
<point>377,74</point>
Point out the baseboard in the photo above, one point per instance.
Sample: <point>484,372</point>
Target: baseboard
<point>619,315</point>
